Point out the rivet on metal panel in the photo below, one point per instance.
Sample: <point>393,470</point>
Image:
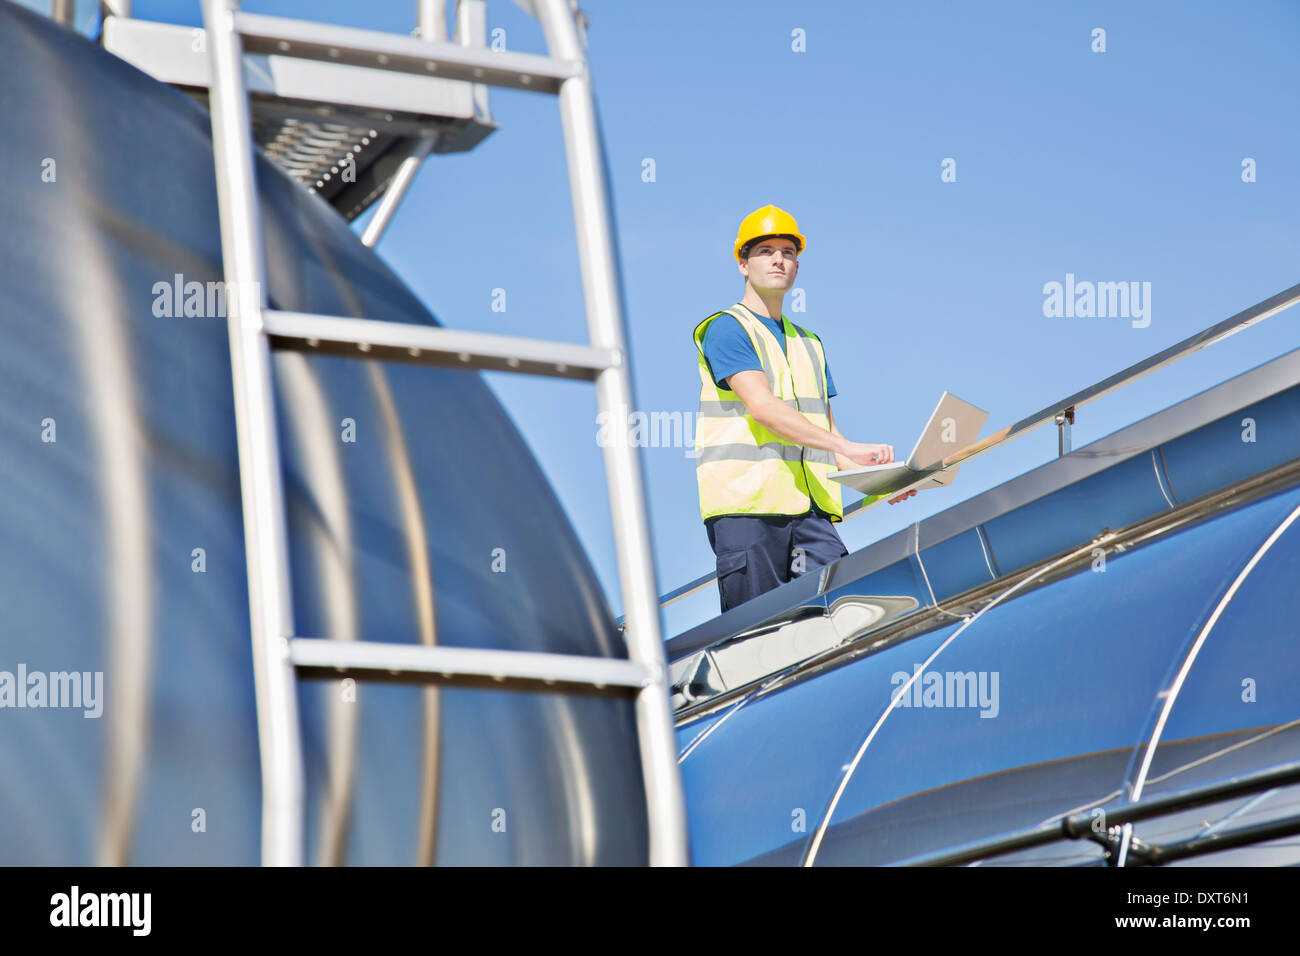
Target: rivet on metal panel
<point>313,343</point>
<point>430,66</point>
<point>512,362</point>
<point>334,51</point>
<point>364,346</point>
<point>478,73</point>
<point>561,367</point>
<point>525,79</point>
<point>413,352</point>
<point>383,58</point>
<point>463,356</point>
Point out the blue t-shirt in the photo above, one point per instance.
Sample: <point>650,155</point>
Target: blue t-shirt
<point>728,349</point>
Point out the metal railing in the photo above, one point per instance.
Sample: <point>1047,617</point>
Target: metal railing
<point>1063,411</point>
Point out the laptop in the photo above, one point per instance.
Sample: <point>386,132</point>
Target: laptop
<point>954,425</point>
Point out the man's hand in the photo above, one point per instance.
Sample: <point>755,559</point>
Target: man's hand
<point>752,388</point>
<point>865,454</point>
<point>903,497</point>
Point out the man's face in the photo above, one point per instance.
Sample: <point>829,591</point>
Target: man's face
<point>772,265</point>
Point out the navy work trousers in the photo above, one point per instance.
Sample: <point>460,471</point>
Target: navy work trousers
<point>758,553</point>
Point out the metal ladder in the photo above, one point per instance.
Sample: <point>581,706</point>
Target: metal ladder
<point>280,657</point>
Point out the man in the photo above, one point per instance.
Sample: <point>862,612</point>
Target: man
<point>765,438</point>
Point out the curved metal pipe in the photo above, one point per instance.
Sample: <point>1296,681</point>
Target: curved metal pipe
<point>1172,694</point>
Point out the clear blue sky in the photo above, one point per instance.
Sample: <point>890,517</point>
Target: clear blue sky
<point>1117,166</point>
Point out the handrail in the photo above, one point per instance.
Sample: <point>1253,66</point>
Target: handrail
<point>1062,412</point>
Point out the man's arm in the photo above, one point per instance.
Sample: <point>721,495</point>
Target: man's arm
<point>775,415</point>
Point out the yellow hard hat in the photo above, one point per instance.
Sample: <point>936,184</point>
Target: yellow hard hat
<point>769,221</point>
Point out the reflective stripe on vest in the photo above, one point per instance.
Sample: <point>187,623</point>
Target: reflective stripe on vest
<point>743,468</point>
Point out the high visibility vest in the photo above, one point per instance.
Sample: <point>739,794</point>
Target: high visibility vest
<point>743,468</point>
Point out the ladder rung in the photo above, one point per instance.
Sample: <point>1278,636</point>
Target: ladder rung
<point>350,95</point>
<point>422,664</point>
<point>433,345</point>
<point>387,51</point>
